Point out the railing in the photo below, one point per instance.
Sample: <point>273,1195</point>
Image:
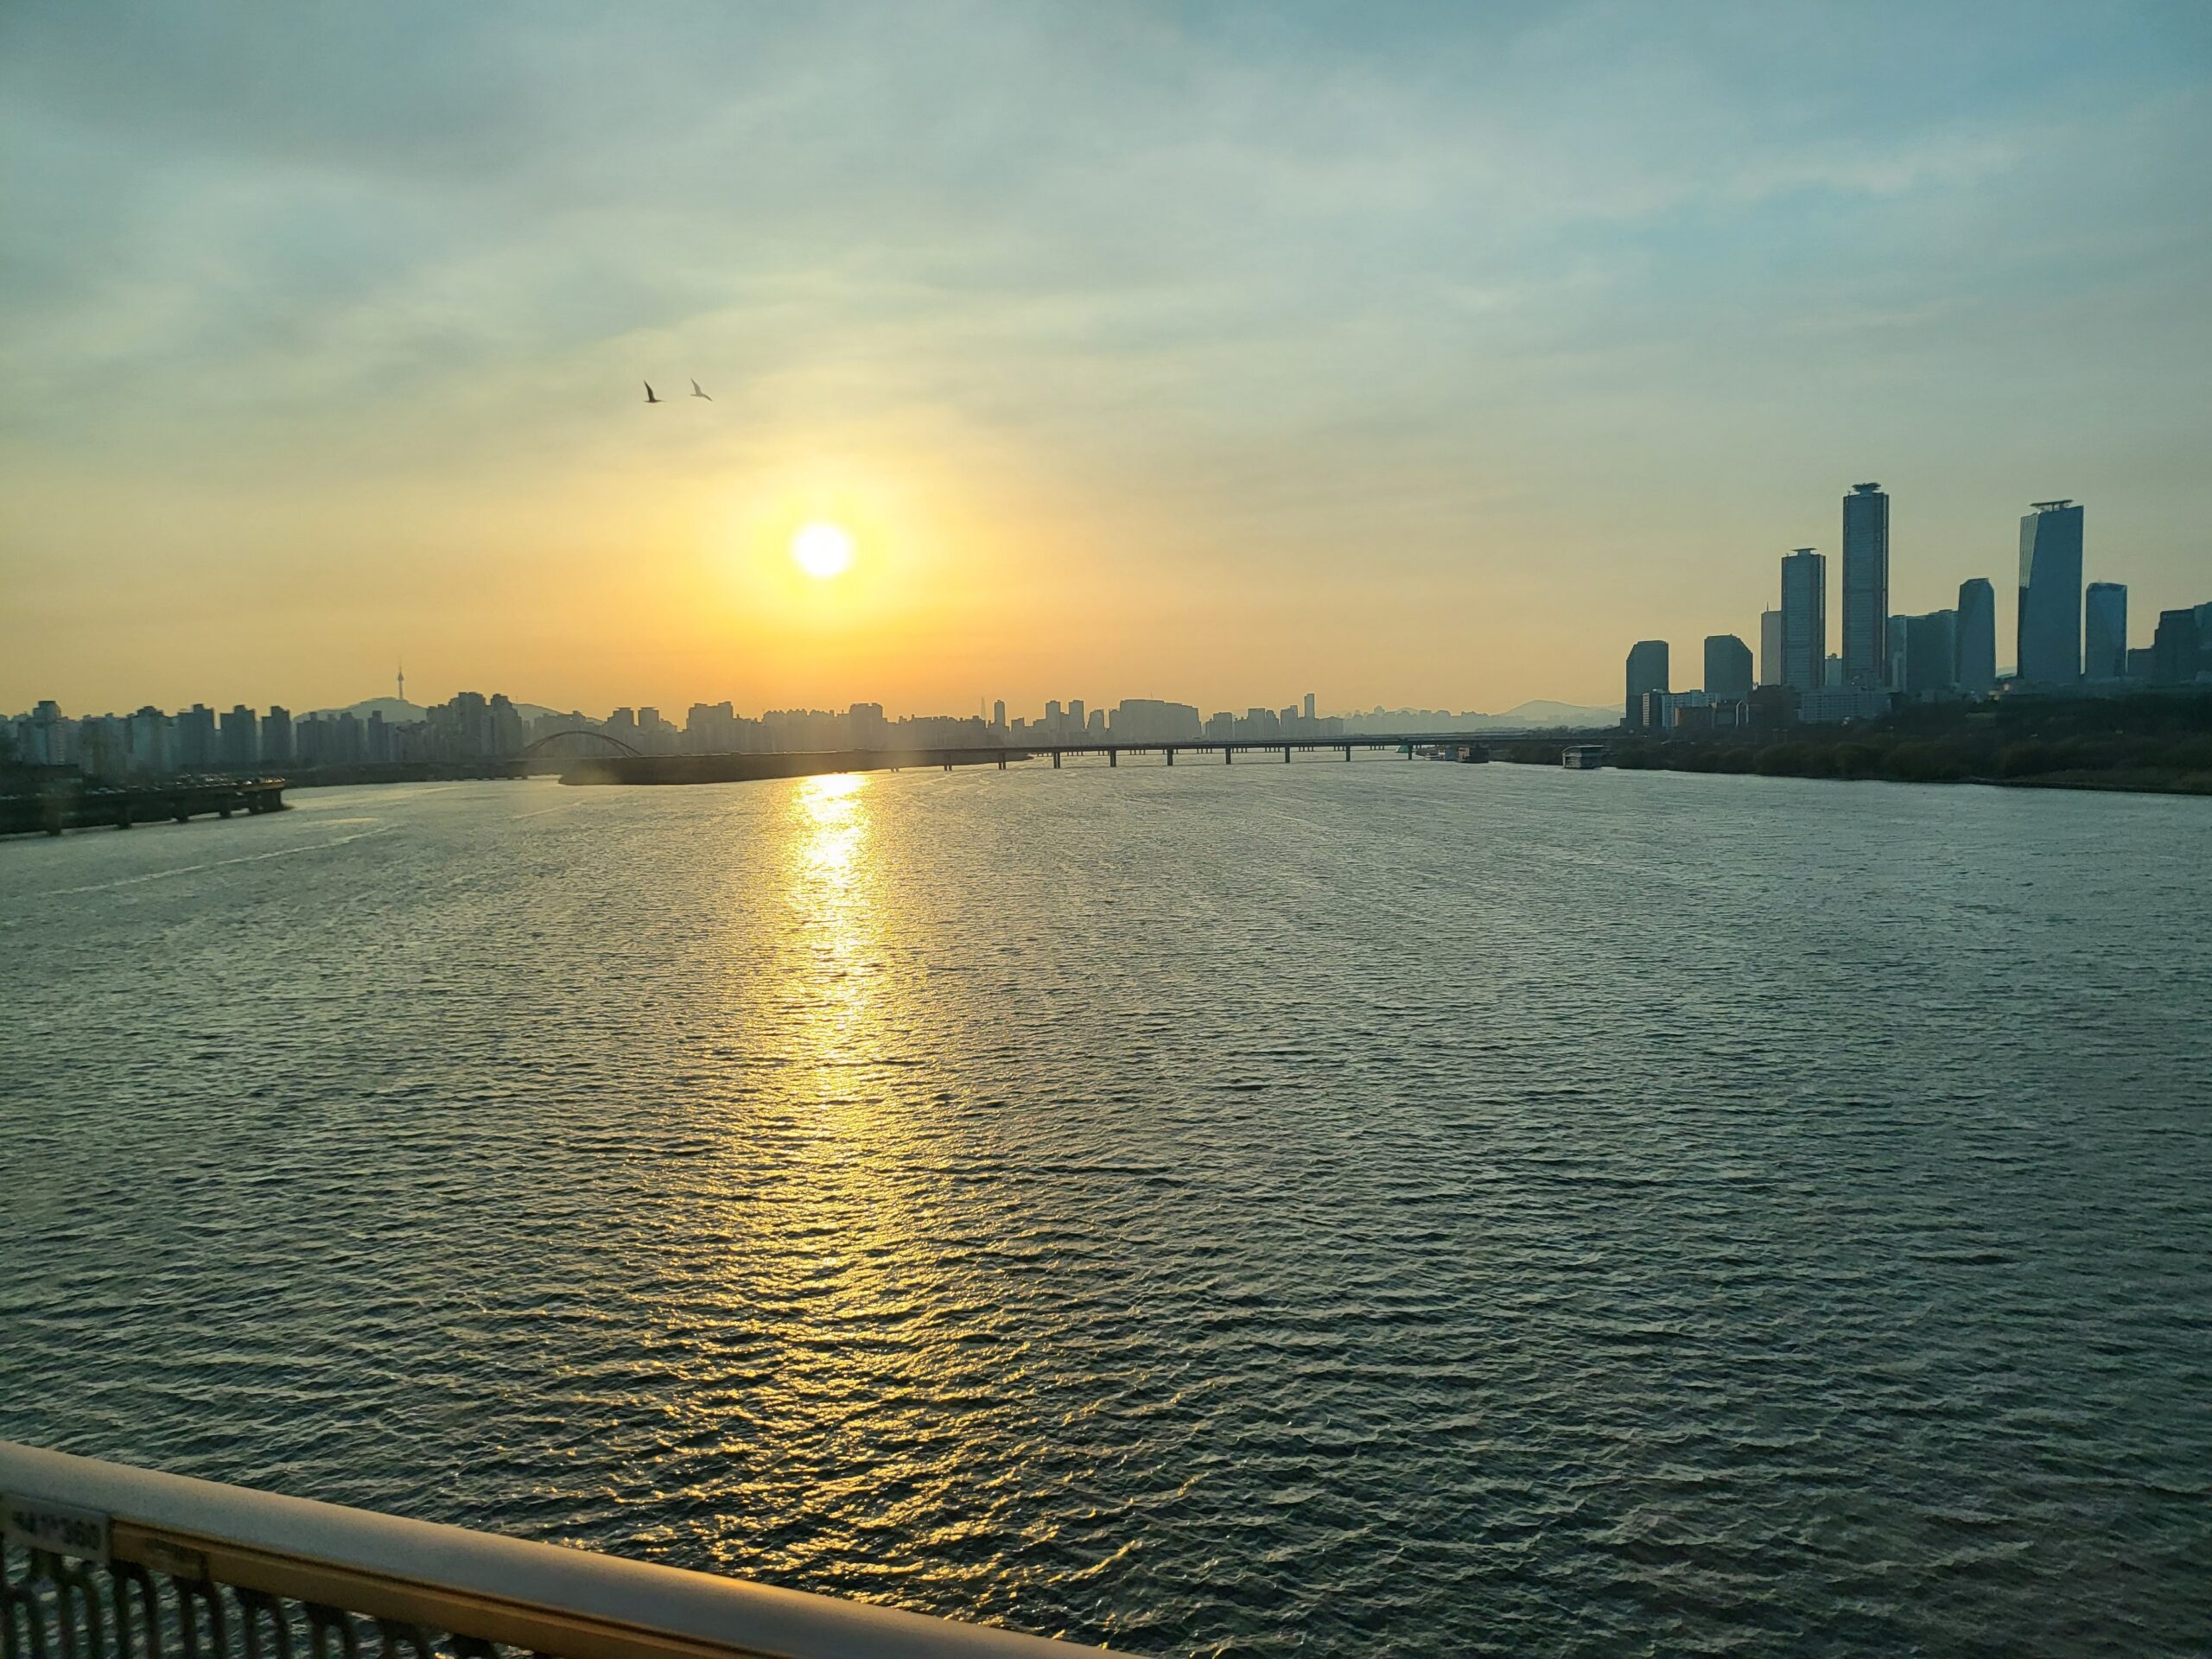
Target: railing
<point>103,1561</point>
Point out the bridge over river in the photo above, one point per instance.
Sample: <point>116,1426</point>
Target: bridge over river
<point>739,768</point>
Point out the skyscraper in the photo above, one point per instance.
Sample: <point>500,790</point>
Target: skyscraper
<point>867,726</point>
<point>1804,619</point>
<point>1865,586</point>
<point>1728,667</point>
<point>276,733</point>
<point>998,714</point>
<point>195,738</point>
<point>1976,674</point>
<point>1931,653</point>
<point>1147,720</point>
<point>2050,595</point>
<point>239,740</point>
<point>1647,672</point>
<point>1770,647</point>
<point>151,747</point>
<point>1309,705</point>
<point>2104,620</point>
<point>2176,649</point>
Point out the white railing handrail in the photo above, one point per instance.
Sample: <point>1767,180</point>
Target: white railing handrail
<point>664,1605</point>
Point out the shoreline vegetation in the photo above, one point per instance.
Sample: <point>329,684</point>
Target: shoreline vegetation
<point>2147,744</point>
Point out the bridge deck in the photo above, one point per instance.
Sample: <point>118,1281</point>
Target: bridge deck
<point>80,806</point>
<point>739,768</point>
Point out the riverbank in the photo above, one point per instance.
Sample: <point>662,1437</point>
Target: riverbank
<point>2151,744</point>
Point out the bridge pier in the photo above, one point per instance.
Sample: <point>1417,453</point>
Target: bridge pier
<point>1228,755</point>
<point>1002,762</point>
<point>1285,755</point>
<point>1056,760</point>
<point>1347,753</point>
<point>1171,757</point>
<point>1113,756</point>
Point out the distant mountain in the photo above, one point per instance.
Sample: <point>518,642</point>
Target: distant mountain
<point>1543,713</point>
<point>1540,715</point>
<point>395,712</point>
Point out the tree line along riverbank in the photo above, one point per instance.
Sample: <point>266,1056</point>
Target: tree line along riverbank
<point>2159,743</point>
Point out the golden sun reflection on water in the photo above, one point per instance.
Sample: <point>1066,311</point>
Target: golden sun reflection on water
<point>862,1253</point>
<point>833,975</point>
<point>833,820</point>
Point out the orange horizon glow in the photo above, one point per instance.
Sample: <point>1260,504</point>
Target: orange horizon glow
<point>1119,394</point>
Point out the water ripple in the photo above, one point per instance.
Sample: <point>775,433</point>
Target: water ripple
<point>1400,1209</point>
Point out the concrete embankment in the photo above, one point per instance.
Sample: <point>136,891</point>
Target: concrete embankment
<point>78,806</point>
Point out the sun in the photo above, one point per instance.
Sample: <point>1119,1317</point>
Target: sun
<point>822,550</point>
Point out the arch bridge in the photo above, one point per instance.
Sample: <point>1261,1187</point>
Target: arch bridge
<point>537,745</point>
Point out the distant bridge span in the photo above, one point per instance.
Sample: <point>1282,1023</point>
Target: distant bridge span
<point>739,768</point>
<point>533,747</point>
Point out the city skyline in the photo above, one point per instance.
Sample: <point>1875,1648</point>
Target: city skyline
<point>2060,616</point>
<point>471,726</point>
<point>2069,634</point>
<point>1800,633</point>
<point>1242,348</point>
<point>994,711</point>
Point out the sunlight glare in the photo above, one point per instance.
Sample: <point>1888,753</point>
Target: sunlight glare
<point>822,550</point>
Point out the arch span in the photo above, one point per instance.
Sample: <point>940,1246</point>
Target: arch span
<point>535,744</point>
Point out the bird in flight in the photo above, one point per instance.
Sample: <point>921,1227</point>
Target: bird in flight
<point>696,392</point>
<point>649,393</point>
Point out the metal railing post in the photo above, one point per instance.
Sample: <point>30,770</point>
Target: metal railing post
<point>191,1595</point>
<point>128,1580</point>
<point>22,1622</point>
<point>325,1622</point>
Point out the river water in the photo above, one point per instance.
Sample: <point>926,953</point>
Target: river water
<point>1390,1208</point>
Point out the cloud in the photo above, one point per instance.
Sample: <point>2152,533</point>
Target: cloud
<point>1292,272</point>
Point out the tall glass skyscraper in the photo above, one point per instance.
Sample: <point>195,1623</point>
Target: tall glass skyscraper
<point>1727,666</point>
<point>1647,672</point>
<point>1931,653</point>
<point>1977,670</point>
<point>1770,647</point>
<point>1804,619</point>
<point>1866,587</point>
<point>2176,648</point>
<point>2050,595</point>
<point>2104,628</point>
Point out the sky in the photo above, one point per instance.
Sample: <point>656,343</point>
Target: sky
<point>1414,355</point>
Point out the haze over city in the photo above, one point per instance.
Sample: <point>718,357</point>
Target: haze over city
<point>1427,361</point>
